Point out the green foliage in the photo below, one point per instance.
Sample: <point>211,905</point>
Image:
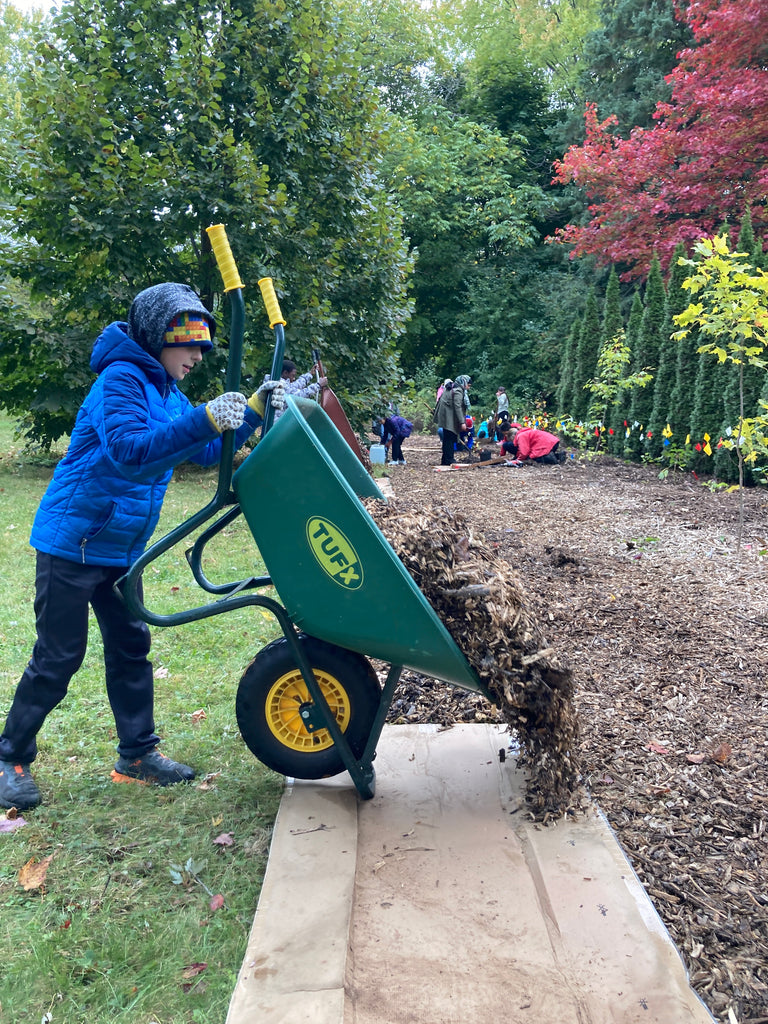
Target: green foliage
<point>454,180</point>
<point>612,321</point>
<point>613,380</point>
<point>144,123</point>
<point>618,416</point>
<point>663,412</point>
<point>646,355</point>
<point>731,309</point>
<point>396,40</point>
<point>565,390</point>
<point>586,356</point>
<point>626,59</point>
<point>549,33</point>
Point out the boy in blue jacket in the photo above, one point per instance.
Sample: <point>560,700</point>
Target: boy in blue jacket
<point>97,516</point>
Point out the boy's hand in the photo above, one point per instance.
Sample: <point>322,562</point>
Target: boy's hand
<point>227,412</point>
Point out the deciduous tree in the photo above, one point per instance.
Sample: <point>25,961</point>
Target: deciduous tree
<point>146,122</point>
<point>704,161</point>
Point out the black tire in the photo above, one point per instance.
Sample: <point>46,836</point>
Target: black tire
<point>272,691</point>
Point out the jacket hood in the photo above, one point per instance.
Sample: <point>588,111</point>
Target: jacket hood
<point>113,345</point>
<point>154,308</point>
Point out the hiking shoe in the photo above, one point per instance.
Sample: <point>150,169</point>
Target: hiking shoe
<point>152,768</point>
<point>17,787</point>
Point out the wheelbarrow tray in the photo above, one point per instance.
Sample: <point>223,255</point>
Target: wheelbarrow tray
<point>333,569</point>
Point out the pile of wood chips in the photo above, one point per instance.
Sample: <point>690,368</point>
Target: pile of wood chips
<point>482,604</point>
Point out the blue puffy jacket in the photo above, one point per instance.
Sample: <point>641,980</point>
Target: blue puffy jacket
<point>134,426</point>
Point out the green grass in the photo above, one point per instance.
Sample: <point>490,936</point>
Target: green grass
<point>111,935</point>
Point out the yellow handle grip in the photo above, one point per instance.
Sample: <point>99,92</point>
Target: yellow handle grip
<point>270,301</point>
<point>224,258</point>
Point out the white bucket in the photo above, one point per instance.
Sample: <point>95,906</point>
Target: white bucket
<point>378,454</point>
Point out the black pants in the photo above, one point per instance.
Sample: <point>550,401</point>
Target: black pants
<point>552,458</point>
<point>397,449</point>
<point>449,441</point>
<point>64,590</point>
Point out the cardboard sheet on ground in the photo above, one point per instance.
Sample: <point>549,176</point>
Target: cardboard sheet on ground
<point>439,902</point>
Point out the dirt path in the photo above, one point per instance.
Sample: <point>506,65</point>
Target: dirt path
<point>639,584</point>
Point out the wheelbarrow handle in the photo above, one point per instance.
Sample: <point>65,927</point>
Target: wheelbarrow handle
<point>316,362</point>
<point>225,261</point>
<point>276,322</point>
<point>270,301</point>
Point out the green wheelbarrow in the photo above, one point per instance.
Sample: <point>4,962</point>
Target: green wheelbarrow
<point>310,704</point>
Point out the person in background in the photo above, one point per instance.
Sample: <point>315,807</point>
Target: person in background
<point>467,435</point>
<point>299,387</point>
<point>450,416</point>
<point>502,402</point>
<point>96,517</point>
<point>442,388</point>
<point>394,430</point>
<point>528,443</point>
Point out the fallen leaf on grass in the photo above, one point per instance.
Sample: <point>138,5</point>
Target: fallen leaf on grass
<point>225,839</point>
<point>217,902</point>
<point>32,875</point>
<point>192,970</point>
<point>209,781</point>
<point>198,716</point>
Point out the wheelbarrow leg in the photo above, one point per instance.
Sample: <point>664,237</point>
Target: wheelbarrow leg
<point>320,715</point>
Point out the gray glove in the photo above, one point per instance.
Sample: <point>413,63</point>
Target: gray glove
<point>227,412</point>
<point>277,387</point>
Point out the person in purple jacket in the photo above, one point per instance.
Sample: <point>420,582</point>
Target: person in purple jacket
<point>395,429</point>
<point>96,517</point>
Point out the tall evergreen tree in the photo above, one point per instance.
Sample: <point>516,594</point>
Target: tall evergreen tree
<point>626,60</point>
<point>612,321</point>
<point>586,356</point>
<point>564,392</point>
<point>663,412</point>
<point>708,411</point>
<point>619,421</point>
<point>646,356</point>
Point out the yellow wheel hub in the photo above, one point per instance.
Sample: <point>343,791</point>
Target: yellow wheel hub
<point>283,708</point>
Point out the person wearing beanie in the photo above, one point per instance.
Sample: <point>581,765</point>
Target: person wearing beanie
<point>96,517</point>
<point>450,416</point>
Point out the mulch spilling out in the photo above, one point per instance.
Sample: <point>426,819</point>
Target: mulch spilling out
<point>655,593</point>
<point>481,601</point>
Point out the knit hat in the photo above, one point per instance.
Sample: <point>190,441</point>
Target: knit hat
<point>153,311</point>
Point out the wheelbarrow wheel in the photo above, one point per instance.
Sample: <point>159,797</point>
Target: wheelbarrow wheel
<point>272,695</point>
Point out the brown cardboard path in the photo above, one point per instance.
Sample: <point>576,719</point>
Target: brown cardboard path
<point>437,902</point>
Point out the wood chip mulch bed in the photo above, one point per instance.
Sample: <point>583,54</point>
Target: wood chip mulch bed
<point>639,593</point>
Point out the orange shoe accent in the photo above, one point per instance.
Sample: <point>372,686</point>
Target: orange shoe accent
<point>119,777</point>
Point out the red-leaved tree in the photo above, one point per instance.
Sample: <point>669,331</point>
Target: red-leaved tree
<point>703,164</point>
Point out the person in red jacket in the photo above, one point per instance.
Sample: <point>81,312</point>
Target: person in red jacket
<point>530,443</point>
